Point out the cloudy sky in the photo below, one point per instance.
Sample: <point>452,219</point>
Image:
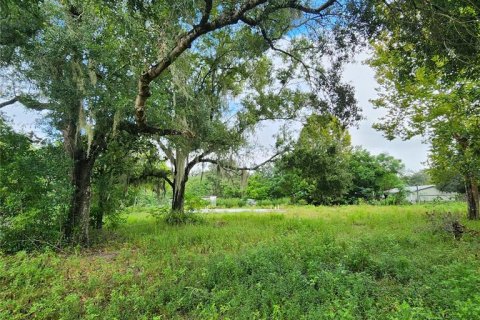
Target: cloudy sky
<point>413,152</point>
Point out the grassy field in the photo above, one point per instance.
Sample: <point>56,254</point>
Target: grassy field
<point>355,262</point>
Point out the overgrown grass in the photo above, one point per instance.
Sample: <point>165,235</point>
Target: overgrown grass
<point>352,262</point>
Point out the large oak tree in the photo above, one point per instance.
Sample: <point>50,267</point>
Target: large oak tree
<point>86,61</point>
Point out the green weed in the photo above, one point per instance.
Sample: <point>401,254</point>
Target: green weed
<point>346,262</point>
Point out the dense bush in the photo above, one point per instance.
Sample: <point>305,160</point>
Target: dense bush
<point>360,262</point>
<point>239,202</point>
<point>362,178</point>
<point>231,202</point>
<point>34,192</point>
<point>273,202</point>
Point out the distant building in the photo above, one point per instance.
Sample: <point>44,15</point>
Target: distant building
<point>425,193</point>
<point>212,200</point>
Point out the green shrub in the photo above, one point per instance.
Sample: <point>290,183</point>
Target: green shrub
<point>182,217</point>
<point>189,215</point>
<point>360,262</point>
<point>34,192</point>
<point>302,202</point>
<point>264,203</point>
<point>231,202</point>
<point>194,203</point>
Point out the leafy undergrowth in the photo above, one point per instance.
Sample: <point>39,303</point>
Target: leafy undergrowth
<point>356,262</point>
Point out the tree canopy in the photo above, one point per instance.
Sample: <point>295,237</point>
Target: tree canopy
<point>426,59</point>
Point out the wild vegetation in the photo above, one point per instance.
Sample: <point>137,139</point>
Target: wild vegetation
<point>149,106</point>
<point>432,89</point>
<point>349,262</point>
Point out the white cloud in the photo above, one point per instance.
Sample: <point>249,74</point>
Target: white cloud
<point>412,152</point>
<point>22,119</point>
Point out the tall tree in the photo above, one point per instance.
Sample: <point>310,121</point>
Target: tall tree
<point>80,59</point>
<point>75,60</point>
<point>234,62</point>
<point>202,89</point>
<point>432,89</point>
<point>373,174</point>
<point>321,158</point>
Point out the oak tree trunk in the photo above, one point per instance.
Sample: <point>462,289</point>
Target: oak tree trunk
<point>77,224</point>
<point>473,199</point>
<point>178,200</point>
<point>179,182</point>
<point>102,199</point>
<point>103,184</point>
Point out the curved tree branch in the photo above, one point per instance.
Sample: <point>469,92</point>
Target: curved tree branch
<point>185,41</point>
<point>28,102</point>
<point>196,160</point>
<point>295,5</point>
<point>8,102</point>
<point>153,174</point>
<point>206,13</point>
